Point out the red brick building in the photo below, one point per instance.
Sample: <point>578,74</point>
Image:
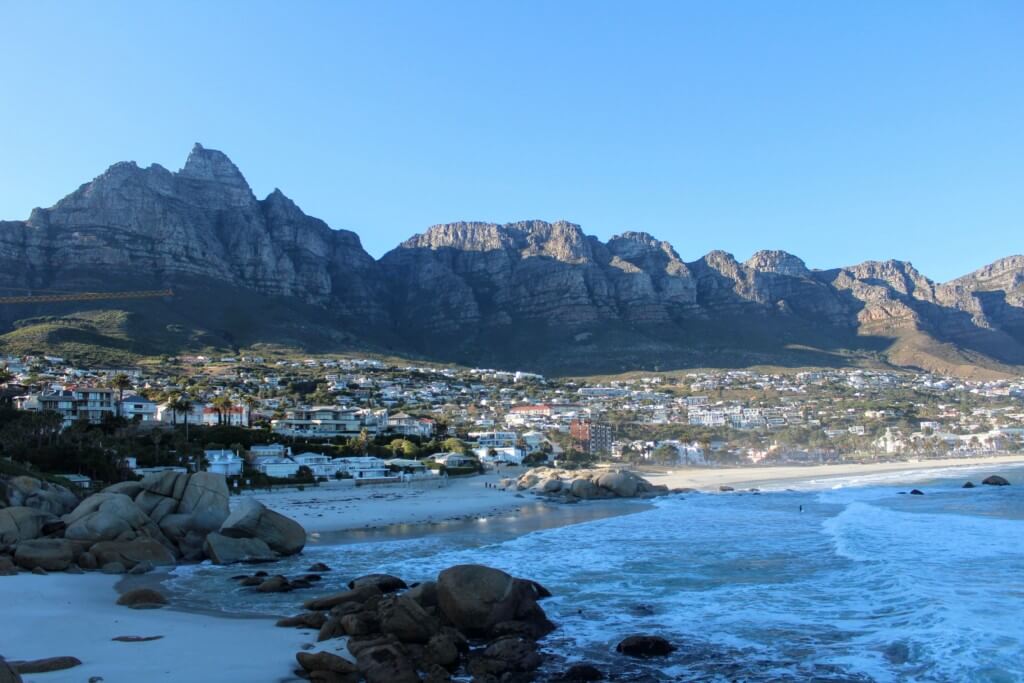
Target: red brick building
<point>591,437</point>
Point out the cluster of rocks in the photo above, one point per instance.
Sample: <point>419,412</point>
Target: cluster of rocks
<point>135,526</point>
<point>993,480</point>
<point>574,485</point>
<point>472,621</point>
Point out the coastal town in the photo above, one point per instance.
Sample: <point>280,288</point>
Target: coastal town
<point>261,420</point>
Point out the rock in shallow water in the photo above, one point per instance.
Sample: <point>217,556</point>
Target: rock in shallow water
<point>995,480</point>
<point>142,598</point>
<point>645,646</point>
<point>475,599</point>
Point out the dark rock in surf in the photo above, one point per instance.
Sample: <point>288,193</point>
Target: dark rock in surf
<point>995,480</point>
<point>580,673</point>
<point>645,646</point>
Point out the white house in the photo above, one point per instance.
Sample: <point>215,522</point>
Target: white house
<point>364,467</point>
<point>273,466</point>
<point>509,455</point>
<point>320,465</point>
<point>224,462</point>
<point>138,408</point>
<point>453,460</point>
<point>407,425</point>
<point>494,439</point>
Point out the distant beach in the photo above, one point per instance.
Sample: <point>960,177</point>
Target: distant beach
<point>710,479</point>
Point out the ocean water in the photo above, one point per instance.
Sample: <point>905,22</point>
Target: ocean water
<point>865,584</point>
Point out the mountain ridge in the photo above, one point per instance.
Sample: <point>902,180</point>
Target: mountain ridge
<point>532,294</point>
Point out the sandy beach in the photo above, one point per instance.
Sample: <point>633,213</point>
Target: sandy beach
<point>74,615</point>
<point>79,617</point>
<point>332,506</point>
<point>709,479</point>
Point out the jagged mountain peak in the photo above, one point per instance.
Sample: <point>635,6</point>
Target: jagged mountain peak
<point>777,261</point>
<point>633,245</point>
<point>212,166</point>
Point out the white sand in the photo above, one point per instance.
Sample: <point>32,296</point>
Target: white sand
<point>335,507</point>
<point>709,479</point>
<point>76,615</point>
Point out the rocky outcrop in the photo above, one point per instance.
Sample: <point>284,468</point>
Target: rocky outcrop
<point>573,485</point>
<point>995,480</point>
<point>138,526</point>
<point>472,621</point>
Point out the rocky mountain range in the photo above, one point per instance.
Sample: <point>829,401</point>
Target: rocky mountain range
<point>531,295</point>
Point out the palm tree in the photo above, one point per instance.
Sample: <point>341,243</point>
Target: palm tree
<point>223,404</point>
<point>172,405</point>
<point>250,403</point>
<point>184,404</point>
<point>120,382</point>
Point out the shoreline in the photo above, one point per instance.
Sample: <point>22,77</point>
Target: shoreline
<point>332,507</point>
<point>815,476</point>
<point>79,616</point>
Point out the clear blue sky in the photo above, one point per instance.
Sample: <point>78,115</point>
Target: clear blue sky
<point>840,131</point>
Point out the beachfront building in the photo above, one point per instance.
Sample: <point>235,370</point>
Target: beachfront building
<point>90,404</point>
<point>454,460</point>
<point>274,466</point>
<point>319,464</point>
<point>407,425</point>
<point>138,408</point>
<point>507,455</point>
<point>224,462</point>
<point>329,422</point>
<point>494,439</point>
<point>364,467</point>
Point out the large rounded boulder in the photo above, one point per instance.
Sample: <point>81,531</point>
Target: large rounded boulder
<point>223,550</point>
<point>995,480</point>
<point>622,484</point>
<point>131,553</point>
<point>21,524</point>
<point>42,495</point>
<point>477,599</point>
<point>108,517</point>
<point>252,519</point>
<point>584,488</point>
<point>51,554</point>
